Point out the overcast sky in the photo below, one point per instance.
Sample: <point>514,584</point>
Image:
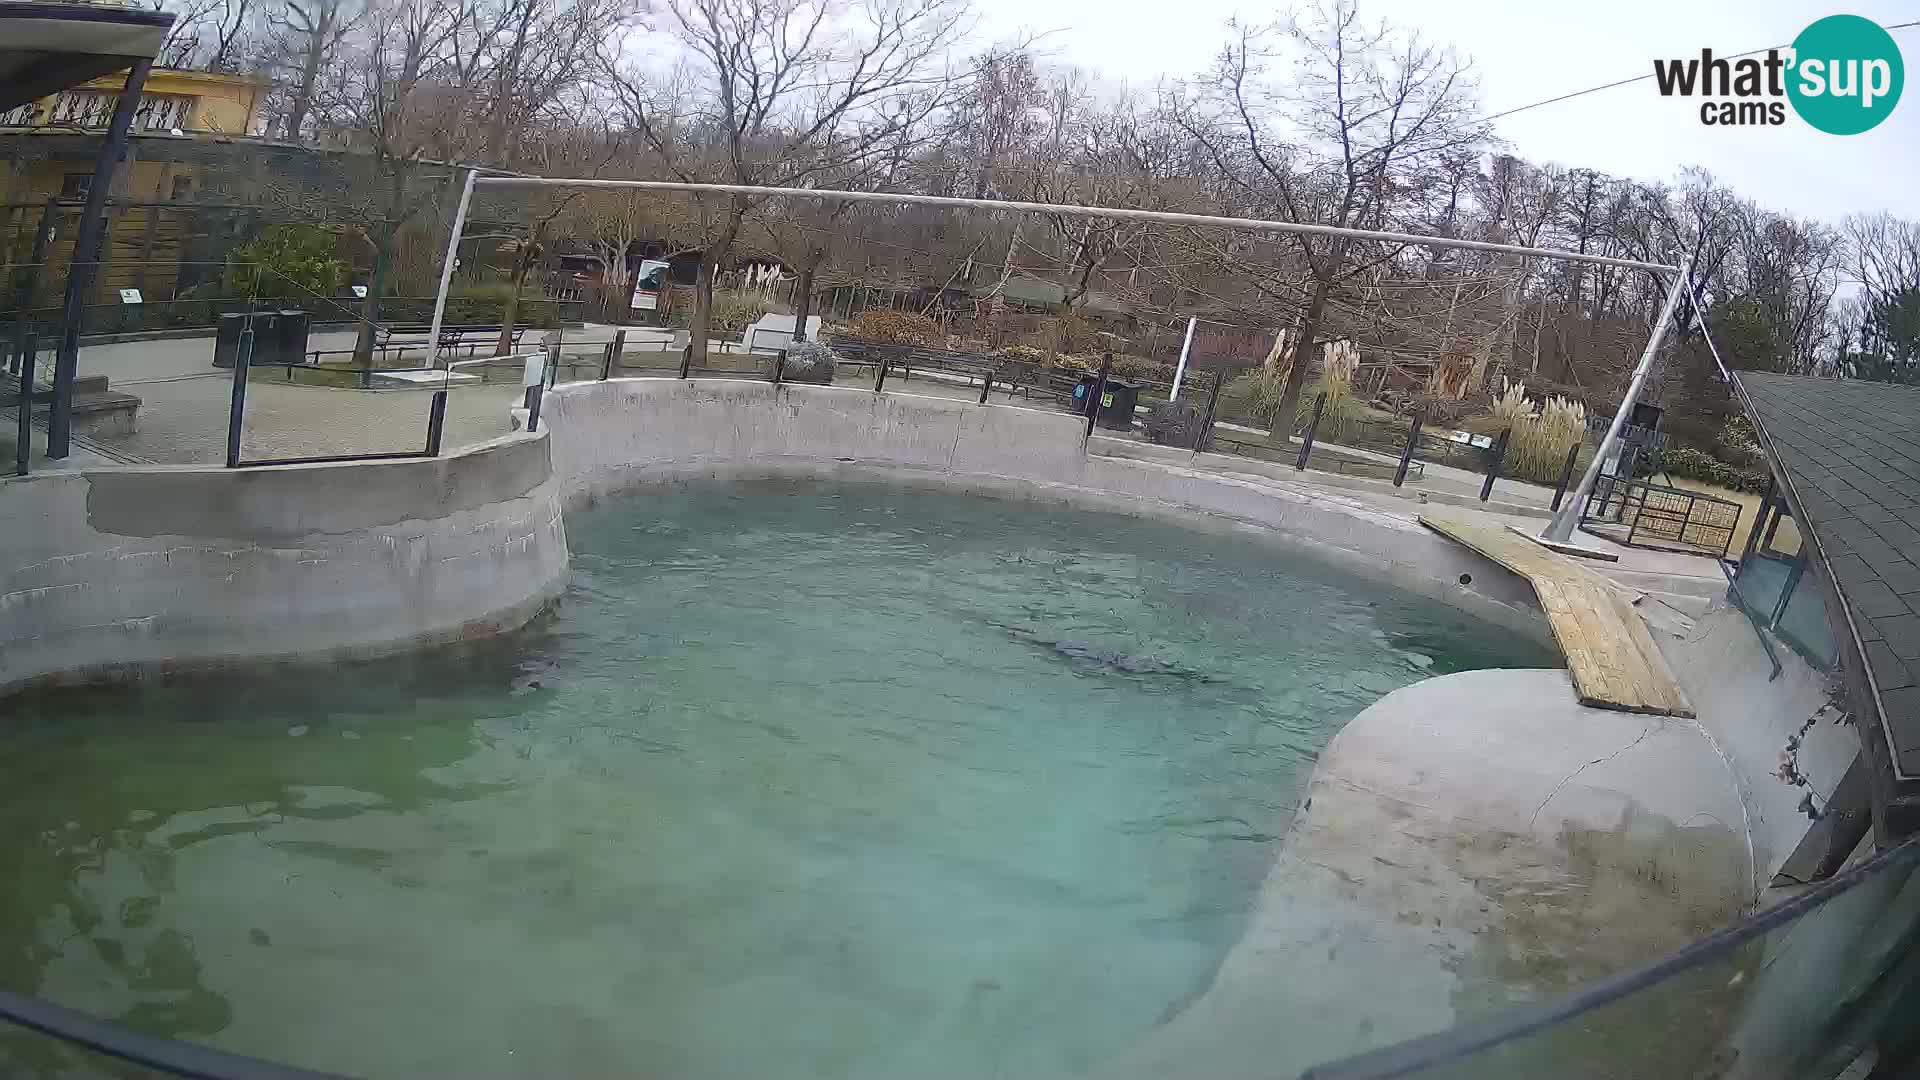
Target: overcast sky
<point>1527,50</point>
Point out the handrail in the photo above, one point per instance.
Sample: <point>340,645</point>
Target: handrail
<point>1429,1051</point>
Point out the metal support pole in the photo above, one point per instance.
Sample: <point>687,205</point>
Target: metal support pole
<point>986,384</point>
<point>237,404</point>
<point>686,359</point>
<point>23,294</point>
<point>1406,452</point>
<point>1180,369</point>
<point>446,269</point>
<point>86,254</point>
<point>1099,389</point>
<point>23,433</point>
<point>881,379</point>
<point>614,348</point>
<point>1566,475</point>
<point>1306,438</point>
<point>779,366</point>
<point>1759,522</point>
<point>1560,529</point>
<point>1498,453</point>
<point>1205,441</point>
<point>436,422</point>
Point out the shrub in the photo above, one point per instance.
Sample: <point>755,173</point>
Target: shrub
<point>1737,443</point>
<point>896,328</point>
<point>1538,435</point>
<point>1338,420</point>
<point>733,311</point>
<point>806,361</point>
<point>294,262</point>
<point>1699,465</point>
<point>1067,334</point>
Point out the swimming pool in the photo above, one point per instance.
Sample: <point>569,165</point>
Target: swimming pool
<point>799,780</point>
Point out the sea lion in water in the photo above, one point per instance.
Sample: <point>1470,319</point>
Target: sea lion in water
<point>1093,654</point>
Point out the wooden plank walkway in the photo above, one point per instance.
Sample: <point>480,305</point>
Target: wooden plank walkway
<point>1613,659</point>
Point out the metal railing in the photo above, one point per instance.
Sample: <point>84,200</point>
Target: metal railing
<point>1647,515</point>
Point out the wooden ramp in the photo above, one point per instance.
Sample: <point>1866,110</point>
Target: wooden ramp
<point>1613,659</point>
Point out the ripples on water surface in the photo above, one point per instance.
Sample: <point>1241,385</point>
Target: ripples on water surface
<point>800,781</point>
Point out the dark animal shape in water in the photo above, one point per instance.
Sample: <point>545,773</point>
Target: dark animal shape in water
<point>1113,661</point>
<point>532,675</point>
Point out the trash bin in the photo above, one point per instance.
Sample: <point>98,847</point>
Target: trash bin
<point>291,333</point>
<point>1117,403</point>
<point>226,340</point>
<point>1080,391</point>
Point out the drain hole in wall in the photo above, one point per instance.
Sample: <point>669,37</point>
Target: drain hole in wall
<point>1466,579</point>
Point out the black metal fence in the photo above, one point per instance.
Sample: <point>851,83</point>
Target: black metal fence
<point>1646,515</point>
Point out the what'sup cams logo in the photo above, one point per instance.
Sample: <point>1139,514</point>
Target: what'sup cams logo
<point>1843,75</point>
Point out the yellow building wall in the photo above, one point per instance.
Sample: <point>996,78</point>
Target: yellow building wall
<point>221,103</point>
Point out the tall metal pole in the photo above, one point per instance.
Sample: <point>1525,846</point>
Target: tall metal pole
<point>446,269</point>
<point>86,256</point>
<point>1560,529</point>
<point>1180,370</point>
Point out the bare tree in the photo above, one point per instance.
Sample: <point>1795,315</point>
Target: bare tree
<point>1331,145</point>
<point>547,52</point>
<point>306,38</point>
<point>211,35</point>
<point>781,92</point>
<point>409,96</point>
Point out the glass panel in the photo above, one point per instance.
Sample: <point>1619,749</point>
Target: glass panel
<point>1804,623</point>
<point>1761,580</point>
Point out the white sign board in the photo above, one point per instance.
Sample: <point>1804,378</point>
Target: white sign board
<point>653,278</point>
<point>130,296</point>
<point>360,291</point>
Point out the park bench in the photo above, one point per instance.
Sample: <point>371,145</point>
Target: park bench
<point>471,337</point>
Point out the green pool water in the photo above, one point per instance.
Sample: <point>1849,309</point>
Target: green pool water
<point>797,781</point>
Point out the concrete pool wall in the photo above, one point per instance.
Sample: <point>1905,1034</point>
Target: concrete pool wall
<point>116,572</point>
<point>616,436</point>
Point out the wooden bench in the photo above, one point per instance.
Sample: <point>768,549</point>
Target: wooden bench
<point>470,337</point>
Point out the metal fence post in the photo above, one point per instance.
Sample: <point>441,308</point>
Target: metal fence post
<point>23,436</point>
<point>779,366</point>
<point>881,379</point>
<point>237,405</point>
<point>614,348</point>
<point>436,422</point>
<point>1306,437</point>
<point>1099,389</point>
<point>1406,453</point>
<point>23,295</point>
<point>686,359</point>
<point>1498,452</point>
<point>1204,441</point>
<point>1566,475</point>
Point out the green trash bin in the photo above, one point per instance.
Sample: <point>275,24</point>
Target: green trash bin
<point>1117,403</point>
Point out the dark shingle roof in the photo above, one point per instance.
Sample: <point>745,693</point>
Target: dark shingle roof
<point>1853,451</point>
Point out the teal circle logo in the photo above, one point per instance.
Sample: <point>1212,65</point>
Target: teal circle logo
<point>1846,75</point>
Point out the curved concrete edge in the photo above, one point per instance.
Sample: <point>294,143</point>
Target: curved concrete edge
<point>626,434</point>
<point>1756,720</point>
<point>114,573</point>
<point>1468,842</point>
